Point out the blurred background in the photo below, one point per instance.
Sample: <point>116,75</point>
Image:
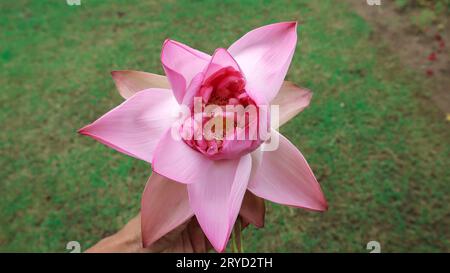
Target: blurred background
<point>376,133</point>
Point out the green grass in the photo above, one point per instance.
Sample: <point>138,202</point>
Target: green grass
<point>377,145</point>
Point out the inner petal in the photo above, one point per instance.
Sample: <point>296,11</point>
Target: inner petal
<point>220,90</point>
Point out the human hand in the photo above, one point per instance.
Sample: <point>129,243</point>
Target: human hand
<point>187,237</point>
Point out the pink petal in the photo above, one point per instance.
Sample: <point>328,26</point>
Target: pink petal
<point>192,90</point>
<point>285,177</point>
<point>129,82</point>
<point>135,126</point>
<point>264,55</point>
<point>216,199</point>
<point>174,159</point>
<point>220,59</point>
<point>164,206</point>
<point>253,209</point>
<point>291,100</point>
<point>181,64</point>
<point>257,156</point>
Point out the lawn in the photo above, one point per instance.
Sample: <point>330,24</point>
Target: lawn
<point>375,141</point>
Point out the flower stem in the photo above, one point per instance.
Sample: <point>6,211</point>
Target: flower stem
<point>236,237</point>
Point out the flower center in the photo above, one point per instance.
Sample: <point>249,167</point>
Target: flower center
<point>224,123</point>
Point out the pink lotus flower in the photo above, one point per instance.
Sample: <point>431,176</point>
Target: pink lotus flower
<point>208,179</point>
